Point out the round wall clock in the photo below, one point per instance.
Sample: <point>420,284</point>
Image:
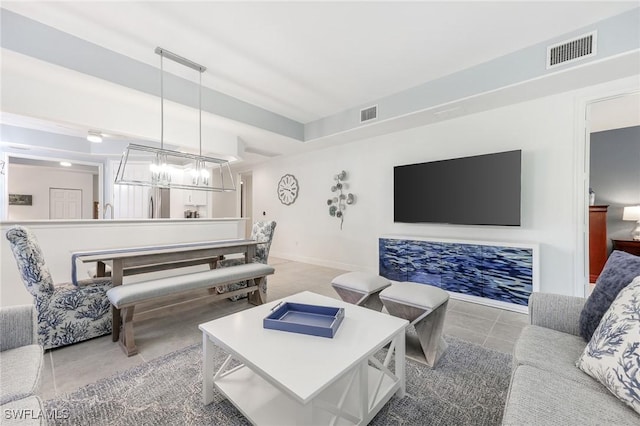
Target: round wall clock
<point>288,189</point>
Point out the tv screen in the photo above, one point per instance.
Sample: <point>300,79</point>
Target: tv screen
<point>478,190</point>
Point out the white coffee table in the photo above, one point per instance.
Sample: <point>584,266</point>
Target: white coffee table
<point>297,379</point>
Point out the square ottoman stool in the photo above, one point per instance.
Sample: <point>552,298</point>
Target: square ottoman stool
<point>425,307</point>
<point>360,288</point>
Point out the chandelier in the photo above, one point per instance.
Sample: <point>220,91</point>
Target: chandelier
<point>175,169</point>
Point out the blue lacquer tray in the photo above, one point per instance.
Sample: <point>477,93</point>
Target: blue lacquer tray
<point>306,319</point>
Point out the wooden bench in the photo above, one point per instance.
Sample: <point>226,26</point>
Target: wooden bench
<point>124,298</point>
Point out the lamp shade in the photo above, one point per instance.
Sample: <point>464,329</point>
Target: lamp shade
<point>631,213</point>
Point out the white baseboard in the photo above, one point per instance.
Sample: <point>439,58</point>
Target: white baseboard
<point>489,302</point>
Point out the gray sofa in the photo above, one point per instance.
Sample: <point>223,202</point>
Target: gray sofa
<point>546,386</point>
<point>21,361</point>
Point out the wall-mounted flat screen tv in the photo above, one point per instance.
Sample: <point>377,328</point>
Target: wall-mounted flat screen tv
<point>478,190</point>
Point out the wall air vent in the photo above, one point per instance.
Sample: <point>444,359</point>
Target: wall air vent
<point>572,50</point>
<point>368,114</point>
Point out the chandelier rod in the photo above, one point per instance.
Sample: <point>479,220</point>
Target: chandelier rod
<point>200,111</point>
<point>180,59</point>
<point>161,101</point>
<point>188,63</point>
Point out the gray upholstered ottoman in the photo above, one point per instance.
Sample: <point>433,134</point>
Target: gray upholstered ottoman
<point>425,307</point>
<point>360,288</point>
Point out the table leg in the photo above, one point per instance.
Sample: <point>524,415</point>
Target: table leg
<point>363,388</point>
<point>207,369</point>
<point>250,254</point>
<point>116,280</point>
<point>400,359</point>
<point>101,269</point>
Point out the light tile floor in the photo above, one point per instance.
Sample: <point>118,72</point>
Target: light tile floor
<point>68,368</point>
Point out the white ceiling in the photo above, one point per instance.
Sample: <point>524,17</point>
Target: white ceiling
<point>308,60</point>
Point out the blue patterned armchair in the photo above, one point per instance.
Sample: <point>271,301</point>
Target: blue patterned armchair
<point>66,313</point>
<point>262,231</point>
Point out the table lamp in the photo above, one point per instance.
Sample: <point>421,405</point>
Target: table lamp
<point>633,213</point>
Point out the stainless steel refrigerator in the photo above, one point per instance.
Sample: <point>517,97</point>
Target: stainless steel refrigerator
<point>159,203</point>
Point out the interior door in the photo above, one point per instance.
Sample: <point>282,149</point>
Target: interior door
<point>65,203</point>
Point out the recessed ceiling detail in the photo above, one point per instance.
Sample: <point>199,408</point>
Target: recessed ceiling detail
<point>282,75</point>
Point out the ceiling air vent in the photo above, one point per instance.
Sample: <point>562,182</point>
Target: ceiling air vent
<point>369,114</point>
<point>572,50</point>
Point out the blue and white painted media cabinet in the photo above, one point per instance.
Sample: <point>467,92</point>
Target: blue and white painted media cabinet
<point>497,274</point>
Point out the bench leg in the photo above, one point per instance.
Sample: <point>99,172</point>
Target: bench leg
<point>259,296</point>
<point>115,323</point>
<point>127,342</point>
<point>214,265</point>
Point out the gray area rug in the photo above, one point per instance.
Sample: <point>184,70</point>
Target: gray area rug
<point>468,387</point>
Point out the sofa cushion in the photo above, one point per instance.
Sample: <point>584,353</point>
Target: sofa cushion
<point>553,351</point>
<point>621,268</point>
<point>20,372</point>
<point>539,397</point>
<point>25,411</point>
<point>612,355</point>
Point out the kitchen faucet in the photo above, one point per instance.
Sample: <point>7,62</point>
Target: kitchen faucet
<point>104,211</point>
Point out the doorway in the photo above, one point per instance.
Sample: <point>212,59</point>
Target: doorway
<point>246,200</point>
<point>612,155</point>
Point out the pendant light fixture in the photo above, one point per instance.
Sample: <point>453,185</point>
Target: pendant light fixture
<point>167,168</point>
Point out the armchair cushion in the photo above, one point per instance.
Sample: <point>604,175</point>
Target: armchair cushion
<point>621,268</point>
<point>20,372</point>
<point>17,326</point>
<point>67,313</point>
<point>262,232</point>
<point>31,264</point>
<point>75,313</point>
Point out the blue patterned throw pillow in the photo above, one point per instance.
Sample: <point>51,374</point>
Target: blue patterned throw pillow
<point>612,355</point>
<point>621,268</point>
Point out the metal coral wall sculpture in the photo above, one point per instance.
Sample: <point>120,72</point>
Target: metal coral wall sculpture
<point>338,203</point>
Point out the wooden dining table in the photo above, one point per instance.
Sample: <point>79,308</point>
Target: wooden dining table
<point>127,261</point>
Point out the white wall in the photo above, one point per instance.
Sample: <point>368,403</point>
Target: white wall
<point>543,129</point>
<point>35,180</point>
<point>224,204</point>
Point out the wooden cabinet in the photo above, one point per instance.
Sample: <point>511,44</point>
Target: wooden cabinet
<point>597,240</point>
<point>193,197</point>
<point>629,246</point>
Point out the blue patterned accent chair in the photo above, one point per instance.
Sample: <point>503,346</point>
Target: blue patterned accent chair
<point>262,231</point>
<point>66,313</point>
